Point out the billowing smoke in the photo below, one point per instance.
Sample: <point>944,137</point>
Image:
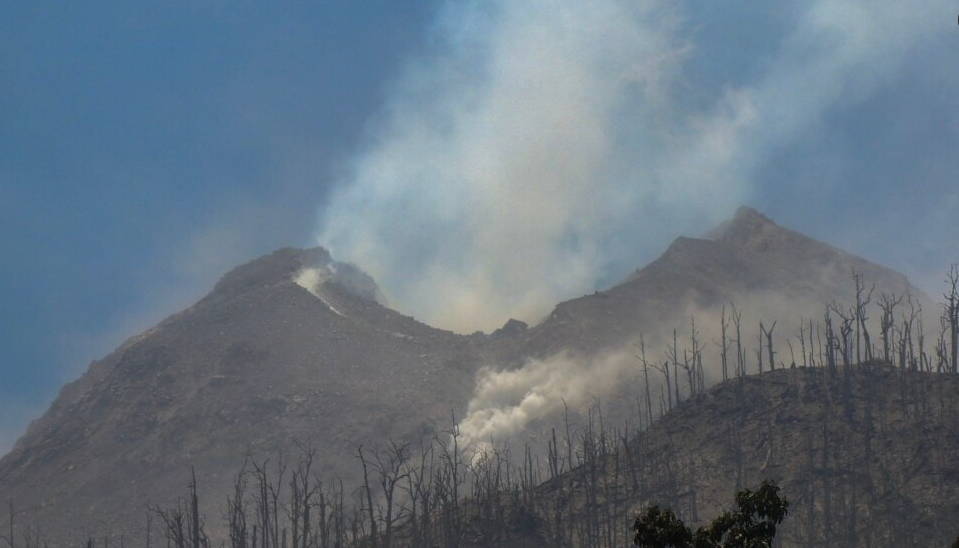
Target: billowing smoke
<point>505,403</point>
<point>500,176</point>
<point>539,149</point>
<point>519,404</point>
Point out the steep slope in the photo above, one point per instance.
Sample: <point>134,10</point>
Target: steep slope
<point>256,363</point>
<point>865,459</point>
<point>586,351</point>
<point>767,270</point>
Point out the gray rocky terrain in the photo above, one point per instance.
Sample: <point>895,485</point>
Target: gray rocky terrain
<point>866,456</point>
<point>294,346</point>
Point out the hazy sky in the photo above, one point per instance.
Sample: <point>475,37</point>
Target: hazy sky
<point>490,157</point>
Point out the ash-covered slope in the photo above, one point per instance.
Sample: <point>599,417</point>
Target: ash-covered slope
<point>865,459</point>
<point>258,362</point>
<point>768,271</point>
<point>586,351</point>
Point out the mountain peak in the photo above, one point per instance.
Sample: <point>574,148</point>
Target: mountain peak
<point>281,264</point>
<point>746,223</point>
<point>746,214</point>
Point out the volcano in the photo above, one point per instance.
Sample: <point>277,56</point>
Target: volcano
<point>295,346</point>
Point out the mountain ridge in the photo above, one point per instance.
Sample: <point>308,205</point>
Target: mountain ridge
<point>702,274</point>
<point>263,359</point>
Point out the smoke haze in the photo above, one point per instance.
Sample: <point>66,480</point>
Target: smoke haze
<point>542,149</point>
<point>515,403</point>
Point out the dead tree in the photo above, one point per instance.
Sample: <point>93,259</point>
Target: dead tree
<point>569,438</point>
<point>688,364</point>
<point>737,318</point>
<point>887,303</point>
<point>697,382</point>
<point>303,490</point>
<point>174,524</point>
<point>792,353</point>
<point>338,515</point>
<point>552,455</point>
<point>183,526</point>
<point>915,315</point>
<point>419,490</point>
<point>448,481</point>
<point>951,306</point>
<point>664,369</point>
<point>942,349</point>
<point>924,364</point>
<point>724,345</point>
<point>768,335</point>
<point>330,522</point>
<point>237,512</point>
<point>848,319</point>
<point>194,511</point>
<point>759,348</point>
<point>266,496</point>
<point>390,467</point>
<point>672,353</point>
<point>830,344</point>
<point>642,359</point>
<point>802,340</point>
<point>863,298</point>
<point>368,492</point>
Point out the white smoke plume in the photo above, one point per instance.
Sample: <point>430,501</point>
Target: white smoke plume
<point>541,148</point>
<point>506,402</point>
<point>513,404</point>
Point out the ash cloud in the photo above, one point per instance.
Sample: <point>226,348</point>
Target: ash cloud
<point>538,149</point>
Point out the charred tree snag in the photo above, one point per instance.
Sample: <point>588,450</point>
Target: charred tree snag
<point>887,303</point>
<point>768,335</point>
<point>863,298</point>
<point>724,346</point>
<point>368,492</point>
<point>952,314</point>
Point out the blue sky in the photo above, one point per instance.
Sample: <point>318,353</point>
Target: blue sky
<point>146,148</point>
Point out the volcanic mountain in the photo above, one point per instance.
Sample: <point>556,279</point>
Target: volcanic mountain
<point>295,346</point>
<point>769,271</point>
<point>255,364</point>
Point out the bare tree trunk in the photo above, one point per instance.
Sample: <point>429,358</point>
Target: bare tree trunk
<point>390,468</point>
<point>830,346</point>
<point>769,343</point>
<point>675,359</point>
<point>759,348</point>
<point>740,356</point>
<point>723,344</point>
<point>194,510</point>
<point>649,403</point>
<point>888,303</point>
<point>861,328</point>
<point>374,540</point>
<point>802,341</point>
<point>952,314</point>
